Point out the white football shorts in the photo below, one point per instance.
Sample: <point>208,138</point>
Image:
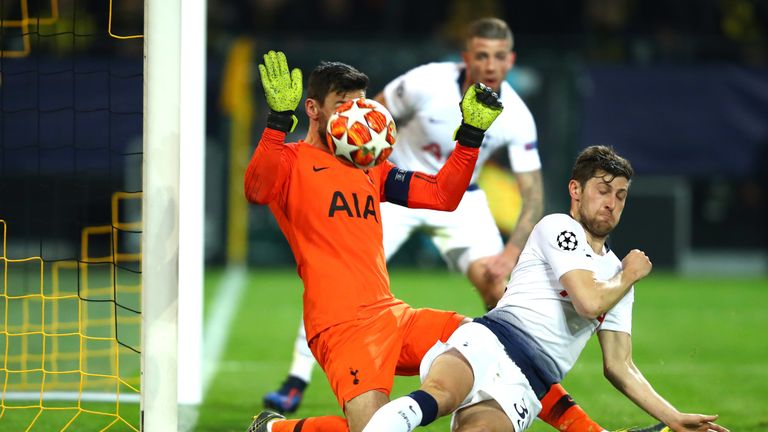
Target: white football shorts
<point>462,236</point>
<point>496,375</point>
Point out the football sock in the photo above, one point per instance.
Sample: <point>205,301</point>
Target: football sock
<point>560,410</point>
<point>403,414</point>
<point>303,360</point>
<point>427,404</point>
<point>311,424</point>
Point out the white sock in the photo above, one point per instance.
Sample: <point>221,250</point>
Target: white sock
<point>303,360</point>
<point>400,415</point>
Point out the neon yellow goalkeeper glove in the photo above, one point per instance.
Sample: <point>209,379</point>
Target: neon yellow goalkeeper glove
<point>282,90</point>
<point>479,108</point>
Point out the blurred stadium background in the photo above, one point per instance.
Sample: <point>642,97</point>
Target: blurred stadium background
<point>679,87</point>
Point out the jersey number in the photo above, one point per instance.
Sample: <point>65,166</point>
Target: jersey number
<point>521,411</point>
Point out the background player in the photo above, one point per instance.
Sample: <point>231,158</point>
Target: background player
<point>567,285</point>
<point>361,335</point>
<point>423,102</point>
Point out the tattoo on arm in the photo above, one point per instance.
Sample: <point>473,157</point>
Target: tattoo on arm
<point>532,194</point>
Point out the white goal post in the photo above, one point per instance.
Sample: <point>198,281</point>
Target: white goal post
<point>172,239</point>
<point>192,200</point>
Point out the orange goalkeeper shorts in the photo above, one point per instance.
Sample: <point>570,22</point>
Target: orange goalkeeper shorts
<point>366,354</point>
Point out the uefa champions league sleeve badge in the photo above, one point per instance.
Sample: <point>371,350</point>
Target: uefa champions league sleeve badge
<point>566,241</point>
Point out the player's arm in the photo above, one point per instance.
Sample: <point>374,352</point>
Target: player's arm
<point>270,163</point>
<point>268,168</point>
<point>532,195</point>
<point>498,267</point>
<point>622,372</point>
<point>443,191</point>
<point>592,297</point>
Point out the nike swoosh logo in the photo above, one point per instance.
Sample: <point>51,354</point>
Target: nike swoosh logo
<point>316,169</point>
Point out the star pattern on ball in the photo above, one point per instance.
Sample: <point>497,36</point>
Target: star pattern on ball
<point>566,241</point>
<point>378,136</point>
<point>353,114</point>
<point>345,149</point>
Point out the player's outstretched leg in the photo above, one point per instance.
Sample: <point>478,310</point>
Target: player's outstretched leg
<point>560,410</point>
<point>288,397</point>
<point>268,421</point>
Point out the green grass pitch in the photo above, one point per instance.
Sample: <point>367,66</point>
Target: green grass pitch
<point>700,341</point>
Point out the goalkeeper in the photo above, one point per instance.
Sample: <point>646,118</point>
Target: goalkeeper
<point>359,333</point>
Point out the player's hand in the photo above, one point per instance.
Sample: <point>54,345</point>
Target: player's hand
<point>498,267</point>
<point>282,90</point>
<point>636,265</point>
<point>479,108</point>
<point>696,422</point>
<point>495,272</point>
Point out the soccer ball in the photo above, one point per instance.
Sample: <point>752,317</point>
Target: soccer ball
<point>361,133</point>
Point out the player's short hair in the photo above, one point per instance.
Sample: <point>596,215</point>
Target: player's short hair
<point>334,77</point>
<point>489,28</point>
<point>600,158</point>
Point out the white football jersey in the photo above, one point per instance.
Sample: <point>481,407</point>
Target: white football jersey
<point>557,245</point>
<point>425,104</point>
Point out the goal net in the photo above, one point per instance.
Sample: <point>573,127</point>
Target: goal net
<point>71,80</point>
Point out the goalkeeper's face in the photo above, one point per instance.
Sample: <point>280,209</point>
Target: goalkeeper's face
<point>488,61</point>
<point>332,101</point>
<point>600,202</point>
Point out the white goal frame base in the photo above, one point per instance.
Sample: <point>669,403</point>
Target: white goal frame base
<point>73,396</point>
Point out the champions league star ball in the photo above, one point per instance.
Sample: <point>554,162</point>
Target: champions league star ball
<point>361,133</point>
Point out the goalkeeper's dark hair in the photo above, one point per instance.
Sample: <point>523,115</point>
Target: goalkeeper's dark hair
<point>334,77</point>
<point>600,158</point>
<point>489,28</point>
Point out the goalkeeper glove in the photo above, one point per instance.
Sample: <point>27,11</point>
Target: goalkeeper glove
<point>479,108</point>
<point>282,90</point>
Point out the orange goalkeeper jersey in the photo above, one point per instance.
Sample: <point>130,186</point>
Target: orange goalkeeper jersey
<point>329,213</point>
